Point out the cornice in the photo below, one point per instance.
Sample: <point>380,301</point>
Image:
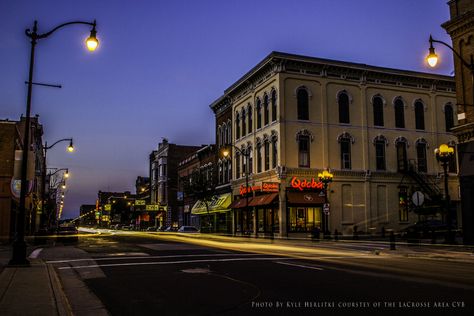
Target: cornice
<point>460,24</point>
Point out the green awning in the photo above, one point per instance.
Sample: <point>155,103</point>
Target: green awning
<point>220,203</point>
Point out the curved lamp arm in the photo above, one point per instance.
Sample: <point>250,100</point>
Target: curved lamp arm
<point>465,63</point>
<point>242,152</point>
<point>61,140</point>
<point>35,36</point>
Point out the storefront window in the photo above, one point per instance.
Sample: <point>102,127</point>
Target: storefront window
<point>304,219</point>
<point>261,220</point>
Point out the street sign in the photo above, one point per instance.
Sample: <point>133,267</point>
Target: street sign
<point>140,202</point>
<point>418,198</point>
<point>326,208</point>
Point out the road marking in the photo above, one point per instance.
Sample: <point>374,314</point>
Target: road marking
<point>298,265</point>
<point>35,253</point>
<point>159,257</point>
<point>174,262</point>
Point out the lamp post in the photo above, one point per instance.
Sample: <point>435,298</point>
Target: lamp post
<point>70,148</point>
<point>58,186</point>
<point>444,154</point>
<point>325,177</point>
<point>19,244</point>
<point>246,154</point>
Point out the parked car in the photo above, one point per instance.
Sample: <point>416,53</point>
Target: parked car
<point>188,229</point>
<point>68,233</point>
<point>161,229</point>
<point>171,229</point>
<point>151,229</point>
<point>426,229</point>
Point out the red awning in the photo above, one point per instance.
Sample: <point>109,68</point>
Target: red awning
<point>304,198</point>
<point>240,203</point>
<point>263,199</point>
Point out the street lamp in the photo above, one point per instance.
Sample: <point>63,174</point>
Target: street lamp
<point>325,177</point>
<point>246,154</point>
<point>19,244</point>
<point>70,148</point>
<point>444,154</point>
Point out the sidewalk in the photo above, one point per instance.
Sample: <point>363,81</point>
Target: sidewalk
<point>33,290</point>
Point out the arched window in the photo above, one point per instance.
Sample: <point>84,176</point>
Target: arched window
<point>448,117</point>
<point>259,114</point>
<point>377,103</point>
<point>302,104</point>
<point>266,144</point>
<point>244,125</point>
<point>345,141</point>
<point>399,113</point>
<point>265,110</point>
<point>229,132</point>
<point>380,162</point>
<point>220,140</point>
<point>250,119</point>
<point>237,165</point>
<point>421,156</point>
<point>303,151</point>
<point>343,102</point>
<point>237,126</point>
<point>259,157</point>
<point>402,162</point>
<point>419,115</point>
<point>274,151</point>
<point>274,105</point>
<point>250,153</point>
<point>225,175</point>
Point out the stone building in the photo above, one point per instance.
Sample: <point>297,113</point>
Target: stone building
<point>374,128</point>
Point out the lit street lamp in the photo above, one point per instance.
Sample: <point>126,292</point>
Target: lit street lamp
<point>70,148</point>
<point>325,177</point>
<point>19,244</point>
<point>246,154</point>
<point>444,154</point>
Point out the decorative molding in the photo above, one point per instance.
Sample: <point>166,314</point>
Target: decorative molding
<point>295,92</point>
<point>349,95</point>
<point>345,135</point>
<point>401,139</point>
<point>401,99</point>
<point>304,132</point>
<point>425,107</point>
<point>380,138</point>
<point>421,140</point>
<point>378,95</point>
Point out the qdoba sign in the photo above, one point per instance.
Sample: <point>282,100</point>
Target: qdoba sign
<point>306,184</point>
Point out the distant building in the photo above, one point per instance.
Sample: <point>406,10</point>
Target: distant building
<point>116,208</point>
<point>11,145</point>
<point>374,128</point>
<point>87,215</point>
<point>164,180</point>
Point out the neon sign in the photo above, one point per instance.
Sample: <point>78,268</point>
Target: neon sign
<point>264,187</point>
<point>306,184</point>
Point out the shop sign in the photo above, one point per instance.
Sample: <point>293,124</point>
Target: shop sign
<point>270,186</point>
<point>152,207</point>
<point>140,202</point>
<point>108,207</point>
<point>306,184</point>
<point>244,190</point>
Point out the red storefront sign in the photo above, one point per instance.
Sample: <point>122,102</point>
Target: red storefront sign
<point>306,184</point>
<point>265,187</point>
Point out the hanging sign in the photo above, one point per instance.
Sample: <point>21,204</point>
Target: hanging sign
<point>306,184</point>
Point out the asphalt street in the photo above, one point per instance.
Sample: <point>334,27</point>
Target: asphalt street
<point>133,273</point>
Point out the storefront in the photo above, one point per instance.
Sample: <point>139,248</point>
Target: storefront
<point>304,211</point>
<point>216,217</point>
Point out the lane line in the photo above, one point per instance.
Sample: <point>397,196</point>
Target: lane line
<point>35,253</point>
<point>299,265</point>
<point>174,262</point>
<point>157,257</point>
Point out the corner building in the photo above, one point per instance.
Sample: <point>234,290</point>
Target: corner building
<point>374,128</point>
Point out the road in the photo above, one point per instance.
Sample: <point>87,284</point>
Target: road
<point>137,273</point>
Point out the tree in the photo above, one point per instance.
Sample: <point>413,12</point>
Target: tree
<point>202,185</point>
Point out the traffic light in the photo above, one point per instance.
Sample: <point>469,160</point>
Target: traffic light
<point>403,197</point>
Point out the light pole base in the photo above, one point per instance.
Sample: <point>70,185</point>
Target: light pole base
<point>19,254</point>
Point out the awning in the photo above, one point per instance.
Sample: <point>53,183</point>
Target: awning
<point>240,203</point>
<point>263,199</point>
<point>304,198</point>
<point>220,203</point>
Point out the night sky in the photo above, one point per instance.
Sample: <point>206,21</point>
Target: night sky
<point>161,63</point>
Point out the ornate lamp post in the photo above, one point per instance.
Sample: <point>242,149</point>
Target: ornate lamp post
<point>246,154</point>
<point>70,148</point>
<point>444,154</point>
<point>19,245</point>
<point>325,177</point>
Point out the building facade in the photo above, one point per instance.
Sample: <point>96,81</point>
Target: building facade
<point>374,128</point>
<point>11,146</point>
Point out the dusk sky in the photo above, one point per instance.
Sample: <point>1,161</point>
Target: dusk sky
<point>160,64</point>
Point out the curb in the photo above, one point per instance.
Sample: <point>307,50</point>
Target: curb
<point>62,303</point>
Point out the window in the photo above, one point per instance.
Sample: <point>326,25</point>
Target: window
<point>380,154</point>
<point>419,115</point>
<point>274,152</point>
<point>237,165</point>
<point>229,133</point>
<point>259,157</point>
<point>304,219</point>
<point>259,114</point>
<point>302,104</point>
<point>452,167</point>
<point>303,151</point>
<point>244,125</point>
<point>274,106</point>
<point>345,153</point>
<point>249,151</point>
<point>267,154</point>
<point>250,119</point>
<point>343,101</point>
<point>402,163</point>
<point>399,114</point>
<point>421,156</point>
<point>378,111</point>
<point>244,163</point>
<point>448,117</point>
<point>220,175</point>
<point>266,112</point>
<point>219,136</point>
<point>237,126</point>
